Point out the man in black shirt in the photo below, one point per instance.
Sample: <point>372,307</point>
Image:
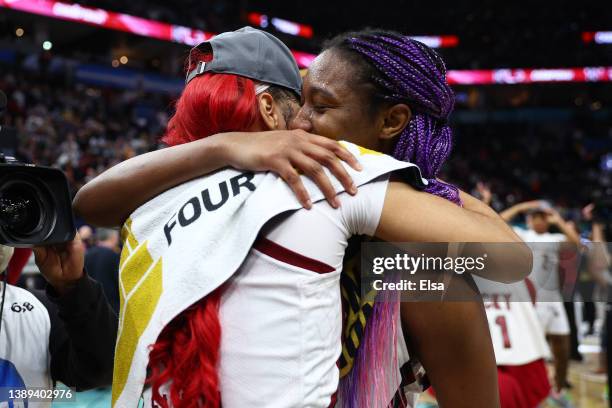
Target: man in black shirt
<point>102,264</point>
<point>66,334</point>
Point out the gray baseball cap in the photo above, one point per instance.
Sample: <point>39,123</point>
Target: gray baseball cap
<point>254,54</point>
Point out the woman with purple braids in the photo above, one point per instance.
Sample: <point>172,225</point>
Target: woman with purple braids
<point>384,92</point>
<point>389,77</point>
<point>389,93</point>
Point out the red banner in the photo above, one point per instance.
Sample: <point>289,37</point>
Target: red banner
<point>123,22</point>
<point>529,76</point>
<point>185,35</point>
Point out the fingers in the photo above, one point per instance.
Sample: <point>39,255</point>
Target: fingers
<point>340,151</point>
<point>330,160</point>
<point>301,152</point>
<point>312,169</point>
<point>76,245</point>
<point>40,253</point>
<point>292,178</point>
<point>332,146</point>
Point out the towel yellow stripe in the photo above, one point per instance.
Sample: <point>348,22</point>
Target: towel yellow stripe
<point>137,314</point>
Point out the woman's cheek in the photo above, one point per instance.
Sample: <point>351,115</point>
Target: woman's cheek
<point>323,127</point>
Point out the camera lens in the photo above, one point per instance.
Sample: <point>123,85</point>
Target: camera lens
<point>19,209</point>
<point>26,210</point>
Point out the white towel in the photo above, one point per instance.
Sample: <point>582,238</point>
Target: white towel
<point>186,242</point>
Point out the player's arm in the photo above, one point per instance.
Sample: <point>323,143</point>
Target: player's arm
<point>460,364</point>
<point>509,213</point>
<point>414,216</point>
<point>566,229</point>
<point>598,256</point>
<point>112,196</point>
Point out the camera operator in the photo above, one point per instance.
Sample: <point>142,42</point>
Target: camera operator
<point>66,334</point>
<point>102,263</point>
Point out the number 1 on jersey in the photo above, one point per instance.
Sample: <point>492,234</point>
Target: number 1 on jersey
<point>501,322</point>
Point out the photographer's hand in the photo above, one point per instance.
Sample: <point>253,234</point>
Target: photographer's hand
<point>61,265</point>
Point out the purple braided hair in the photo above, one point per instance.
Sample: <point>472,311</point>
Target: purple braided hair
<point>400,70</point>
<point>407,71</point>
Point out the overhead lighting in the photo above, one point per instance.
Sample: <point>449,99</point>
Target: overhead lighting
<point>47,45</point>
<point>124,60</point>
<point>115,63</point>
<point>19,32</point>
<point>284,26</point>
<point>437,41</point>
<point>597,37</point>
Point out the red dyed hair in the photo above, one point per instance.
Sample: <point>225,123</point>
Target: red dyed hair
<point>212,103</point>
<point>186,353</point>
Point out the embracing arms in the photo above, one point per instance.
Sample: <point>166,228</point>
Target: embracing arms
<point>112,196</point>
<point>408,215</point>
<point>415,216</point>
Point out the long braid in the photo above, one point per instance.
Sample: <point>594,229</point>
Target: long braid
<point>407,71</point>
<point>397,69</point>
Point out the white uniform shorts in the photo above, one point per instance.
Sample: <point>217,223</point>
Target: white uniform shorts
<point>553,318</point>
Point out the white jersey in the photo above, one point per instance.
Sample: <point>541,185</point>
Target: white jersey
<point>516,332</point>
<point>545,271</point>
<point>24,347</point>
<point>280,314</point>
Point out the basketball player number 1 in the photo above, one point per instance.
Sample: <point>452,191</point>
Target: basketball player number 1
<point>501,322</point>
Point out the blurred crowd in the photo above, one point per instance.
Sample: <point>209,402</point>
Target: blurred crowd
<point>84,130</point>
<point>525,161</point>
<point>80,129</point>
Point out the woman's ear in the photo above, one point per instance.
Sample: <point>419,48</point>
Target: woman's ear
<point>395,120</point>
<point>268,110</point>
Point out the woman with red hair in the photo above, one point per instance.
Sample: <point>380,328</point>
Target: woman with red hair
<point>186,353</point>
